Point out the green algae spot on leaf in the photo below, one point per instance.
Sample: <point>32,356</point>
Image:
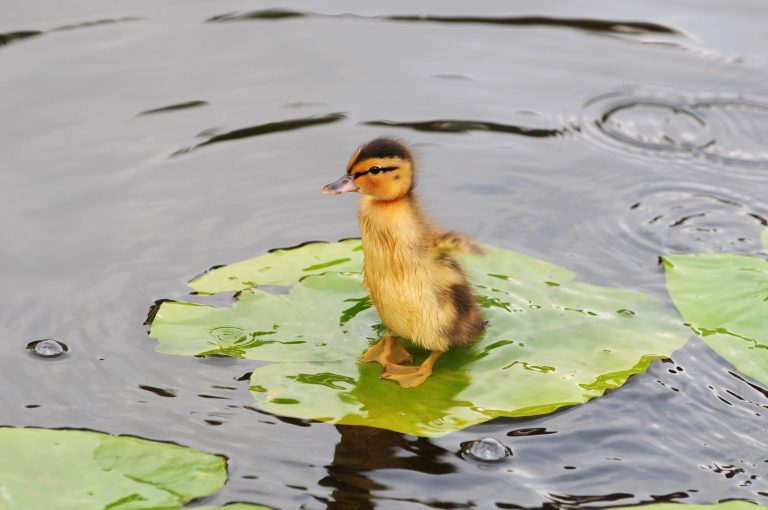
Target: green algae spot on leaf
<point>724,298</point>
<point>552,341</point>
<point>80,470</point>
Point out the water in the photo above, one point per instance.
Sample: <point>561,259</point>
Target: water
<point>486,449</point>
<point>47,348</point>
<point>143,143</point>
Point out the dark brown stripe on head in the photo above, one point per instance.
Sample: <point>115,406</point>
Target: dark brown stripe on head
<point>383,148</point>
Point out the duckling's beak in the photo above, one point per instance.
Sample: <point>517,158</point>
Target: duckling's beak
<point>343,185</point>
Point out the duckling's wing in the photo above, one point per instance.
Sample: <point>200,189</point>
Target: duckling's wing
<point>452,242</point>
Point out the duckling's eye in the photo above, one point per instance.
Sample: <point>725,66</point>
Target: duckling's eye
<point>374,170</point>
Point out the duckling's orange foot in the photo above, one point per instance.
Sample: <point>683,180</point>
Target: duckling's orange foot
<point>411,376</point>
<point>388,351</point>
<point>405,375</point>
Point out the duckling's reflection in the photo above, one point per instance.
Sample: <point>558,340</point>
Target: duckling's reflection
<point>362,449</point>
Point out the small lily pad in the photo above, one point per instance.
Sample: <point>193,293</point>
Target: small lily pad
<point>724,298</point>
<point>79,470</point>
<point>552,341</point>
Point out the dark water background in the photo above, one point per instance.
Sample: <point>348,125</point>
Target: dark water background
<point>597,135</point>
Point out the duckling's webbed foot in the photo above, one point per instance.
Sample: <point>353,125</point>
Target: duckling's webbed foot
<point>411,376</point>
<point>388,351</point>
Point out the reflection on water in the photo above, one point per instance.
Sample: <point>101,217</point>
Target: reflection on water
<point>99,221</point>
<point>174,107</point>
<point>265,129</point>
<point>596,25</point>
<point>162,392</point>
<point>463,126</point>
<point>363,449</point>
<point>10,37</point>
<point>96,23</point>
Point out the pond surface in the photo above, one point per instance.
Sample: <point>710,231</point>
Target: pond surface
<point>144,142</point>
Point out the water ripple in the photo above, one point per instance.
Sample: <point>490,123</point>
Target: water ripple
<point>174,107</point>
<point>96,23</point>
<point>586,24</point>
<point>264,14</point>
<point>11,37</point>
<point>731,131</point>
<point>265,129</point>
<point>463,126</point>
<point>692,218</point>
<point>590,25</point>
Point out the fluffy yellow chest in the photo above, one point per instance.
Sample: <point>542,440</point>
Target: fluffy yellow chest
<point>399,271</point>
<point>392,240</point>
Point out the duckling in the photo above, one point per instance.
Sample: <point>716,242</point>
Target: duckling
<point>415,284</point>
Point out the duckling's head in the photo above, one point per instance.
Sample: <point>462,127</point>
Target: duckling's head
<point>382,168</point>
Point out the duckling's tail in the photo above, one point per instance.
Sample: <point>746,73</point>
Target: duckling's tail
<point>451,242</point>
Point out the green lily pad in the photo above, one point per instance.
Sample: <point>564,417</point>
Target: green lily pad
<point>724,298</point>
<point>552,342</point>
<point>533,359</point>
<point>282,267</point>
<point>79,470</point>
<point>322,318</point>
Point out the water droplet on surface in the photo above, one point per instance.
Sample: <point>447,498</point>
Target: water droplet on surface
<point>486,449</point>
<point>47,348</point>
<point>228,334</point>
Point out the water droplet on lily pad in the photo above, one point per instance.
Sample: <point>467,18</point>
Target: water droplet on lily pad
<point>47,348</point>
<point>486,449</point>
<point>228,333</point>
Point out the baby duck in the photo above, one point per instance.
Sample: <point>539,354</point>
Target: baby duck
<point>418,288</point>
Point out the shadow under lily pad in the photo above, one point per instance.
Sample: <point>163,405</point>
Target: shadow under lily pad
<point>551,342</point>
